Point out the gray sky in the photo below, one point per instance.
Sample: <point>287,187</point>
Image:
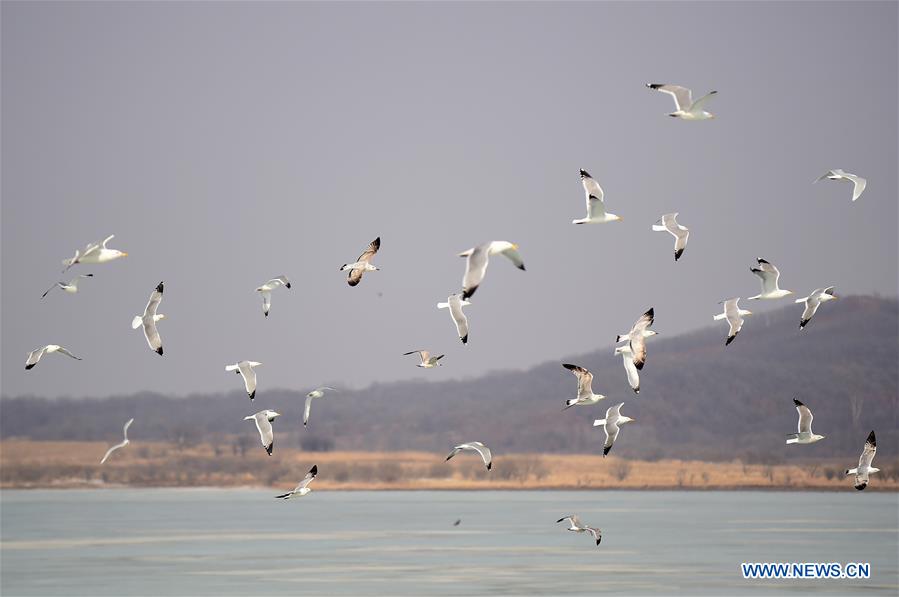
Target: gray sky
<point>227,143</point>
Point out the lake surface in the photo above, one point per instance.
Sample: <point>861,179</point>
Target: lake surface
<point>242,542</point>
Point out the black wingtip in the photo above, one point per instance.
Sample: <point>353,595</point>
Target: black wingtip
<point>467,294</point>
<point>521,267</point>
<point>802,323</point>
<point>654,85</point>
<point>159,351</point>
<point>314,470</point>
<point>159,287</point>
<point>605,451</point>
<point>31,366</point>
<point>489,466</point>
<point>464,339</point>
<point>797,403</point>
<point>651,313</point>
<point>760,260</point>
<point>636,390</point>
<point>639,365</point>
<point>288,285</point>
<point>269,449</point>
<point>585,174</point>
<point>871,439</point>
<point>730,339</point>
<point>252,394</point>
<point>598,540</point>
<point>677,254</point>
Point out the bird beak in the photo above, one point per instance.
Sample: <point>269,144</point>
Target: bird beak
<point>515,246</point>
<point>124,254</point>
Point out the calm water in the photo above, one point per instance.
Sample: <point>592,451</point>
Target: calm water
<point>243,542</point>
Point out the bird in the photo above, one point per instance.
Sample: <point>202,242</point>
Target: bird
<point>734,315</point>
<point>246,370</point>
<point>455,303</point>
<point>95,253</point>
<point>264,420</point>
<point>71,286</point>
<point>478,447</point>
<point>316,393</point>
<point>769,276</point>
<point>458,522</point>
<point>577,527</point>
<point>858,183</point>
<point>805,435</point>
<point>687,109</point>
<point>864,463</point>
<point>636,337</point>
<point>363,264</point>
<point>612,423</point>
<point>427,361</point>
<point>122,444</point>
<point>585,393</point>
<point>301,489</point>
<point>813,301</point>
<point>680,233</point>
<point>35,355</point>
<point>479,258</point>
<point>266,290</point>
<point>149,318</point>
<point>633,376</point>
<point>596,207</point>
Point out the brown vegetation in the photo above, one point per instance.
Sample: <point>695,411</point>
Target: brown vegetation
<point>28,464</point>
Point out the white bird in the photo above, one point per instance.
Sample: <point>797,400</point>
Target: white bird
<point>612,423</point>
<point>301,489</point>
<point>812,301</point>
<point>577,527</point>
<point>734,315</point>
<point>148,320</point>
<point>596,207</point>
<point>636,337</point>
<point>35,355</point>
<point>585,395</point>
<point>266,290</point>
<point>95,253</point>
<point>316,393</point>
<point>246,370</point>
<point>687,109</point>
<point>680,233</point>
<point>478,447</point>
<point>858,183</point>
<point>427,361</point>
<point>122,444</point>
<point>805,435</point>
<point>864,463</point>
<point>71,286</point>
<point>264,420</point>
<point>769,276</point>
<point>363,264</point>
<point>633,376</point>
<point>455,303</point>
<point>479,258</point>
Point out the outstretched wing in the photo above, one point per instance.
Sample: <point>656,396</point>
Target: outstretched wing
<point>475,270</point>
<point>584,380</point>
<point>683,97</point>
<point>308,478</point>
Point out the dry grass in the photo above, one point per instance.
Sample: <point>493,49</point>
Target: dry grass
<point>28,464</point>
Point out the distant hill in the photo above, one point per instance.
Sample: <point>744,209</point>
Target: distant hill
<point>698,399</point>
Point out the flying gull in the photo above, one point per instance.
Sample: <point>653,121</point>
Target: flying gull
<point>680,233</point>
<point>633,376</point>
<point>812,301</point>
<point>596,207</point>
<point>71,286</point>
<point>363,264</point>
<point>455,303</point>
<point>858,183</point>
<point>148,320</point>
<point>614,419</point>
<point>95,253</point>
<point>585,393</point>
<point>266,290</point>
<point>577,527</point>
<point>264,420</point>
<point>427,361</point>
<point>478,447</point>
<point>478,259</point>
<point>734,315</point>
<point>301,489</point>
<point>864,463</point>
<point>123,443</point>
<point>316,393</point>
<point>35,355</point>
<point>246,370</point>
<point>769,276</point>
<point>805,435</point>
<point>687,109</point>
<point>636,337</point>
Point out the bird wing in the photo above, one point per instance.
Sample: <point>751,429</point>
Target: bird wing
<point>307,409</point>
<point>638,348</point>
<point>475,270</point>
<point>768,274</point>
<point>153,303</point>
<point>596,208</point>
<point>698,104</point>
<point>249,377</point>
<point>266,433</point>
<point>683,97</point>
<point>266,301</point>
<point>811,305</point>
<point>633,376</point>
<point>59,284</point>
<point>106,240</point>
<point>484,451</point>
<point>34,356</point>
<point>113,449</point>
<point>308,478</point>
<point>858,185</point>
<point>459,318</point>
<point>152,335</point>
<point>355,275</point>
<point>125,428</point>
<point>867,456</point>
<point>611,428</point>
<point>584,380</point>
<point>514,256</point>
<point>805,417</point>
<point>68,354</point>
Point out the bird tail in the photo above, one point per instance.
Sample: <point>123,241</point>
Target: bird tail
<point>136,322</point>
<point>720,316</point>
<point>793,439</point>
<point>442,305</point>
<point>599,422</point>
<point>658,228</point>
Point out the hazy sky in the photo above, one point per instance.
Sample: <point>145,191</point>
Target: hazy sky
<point>227,143</point>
